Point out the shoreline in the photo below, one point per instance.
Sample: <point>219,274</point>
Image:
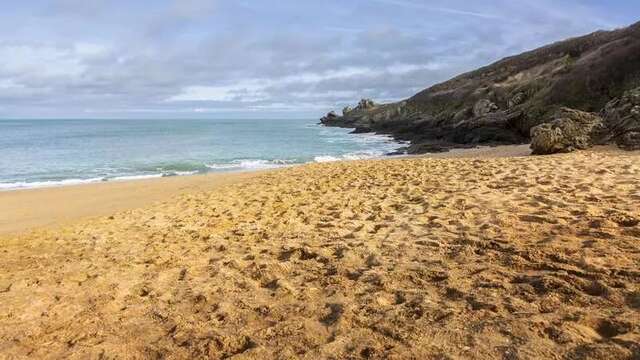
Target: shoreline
<point>491,151</point>
<point>28,209</point>
<point>34,208</point>
<point>129,178</point>
<point>382,145</point>
<point>23,210</point>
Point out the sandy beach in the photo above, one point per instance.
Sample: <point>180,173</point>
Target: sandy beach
<point>25,209</point>
<point>473,254</point>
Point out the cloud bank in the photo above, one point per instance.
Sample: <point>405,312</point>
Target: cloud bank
<point>199,58</point>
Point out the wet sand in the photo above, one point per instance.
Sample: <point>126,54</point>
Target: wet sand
<point>26,209</point>
<point>485,256</point>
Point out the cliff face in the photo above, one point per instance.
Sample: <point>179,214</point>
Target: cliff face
<point>500,103</point>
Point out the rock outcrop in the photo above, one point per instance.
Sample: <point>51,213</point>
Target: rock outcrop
<point>365,104</point>
<point>484,107</point>
<point>569,131</point>
<point>330,118</point>
<point>622,119</point>
<point>618,122</point>
<point>502,102</point>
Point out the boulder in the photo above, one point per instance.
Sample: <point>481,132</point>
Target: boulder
<point>346,110</point>
<point>330,118</point>
<point>484,107</point>
<point>622,119</point>
<point>630,141</point>
<point>570,130</point>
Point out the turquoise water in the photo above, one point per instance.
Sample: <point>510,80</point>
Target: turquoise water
<point>36,153</point>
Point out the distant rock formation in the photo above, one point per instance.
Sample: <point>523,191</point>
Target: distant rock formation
<point>329,118</point>
<point>502,102</point>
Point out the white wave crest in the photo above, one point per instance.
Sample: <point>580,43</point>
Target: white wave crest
<point>351,156</point>
<point>44,184</point>
<point>20,185</point>
<point>250,164</point>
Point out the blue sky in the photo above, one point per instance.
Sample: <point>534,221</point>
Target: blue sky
<point>251,59</point>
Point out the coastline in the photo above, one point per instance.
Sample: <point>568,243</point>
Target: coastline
<point>33,208</point>
<point>29,209</point>
<point>199,148</point>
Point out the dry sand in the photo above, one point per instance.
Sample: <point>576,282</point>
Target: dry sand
<point>418,258</point>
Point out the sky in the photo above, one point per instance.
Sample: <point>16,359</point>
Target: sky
<point>261,59</point>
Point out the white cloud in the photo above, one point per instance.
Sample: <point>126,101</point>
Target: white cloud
<point>41,60</point>
<point>46,61</point>
<point>270,107</point>
<point>112,56</point>
<point>192,8</point>
<point>253,90</point>
<point>446,10</point>
<point>84,49</point>
<point>9,84</point>
<point>245,91</point>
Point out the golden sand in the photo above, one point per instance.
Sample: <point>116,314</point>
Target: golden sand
<point>33,208</point>
<point>514,258</point>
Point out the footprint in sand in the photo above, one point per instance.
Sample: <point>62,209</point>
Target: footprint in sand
<point>332,313</point>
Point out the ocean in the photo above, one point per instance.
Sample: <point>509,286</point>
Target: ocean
<point>40,153</point>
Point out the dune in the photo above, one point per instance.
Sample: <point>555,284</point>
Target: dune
<point>481,257</point>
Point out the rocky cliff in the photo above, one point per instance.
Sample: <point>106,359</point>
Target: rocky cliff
<point>502,102</point>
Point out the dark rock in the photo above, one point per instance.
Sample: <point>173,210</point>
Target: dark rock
<point>360,130</point>
<point>492,128</point>
<point>629,141</point>
<point>331,119</point>
<point>331,115</point>
<point>570,130</point>
<point>400,151</point>
<point>426,148</point>
<point>622,120</point>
